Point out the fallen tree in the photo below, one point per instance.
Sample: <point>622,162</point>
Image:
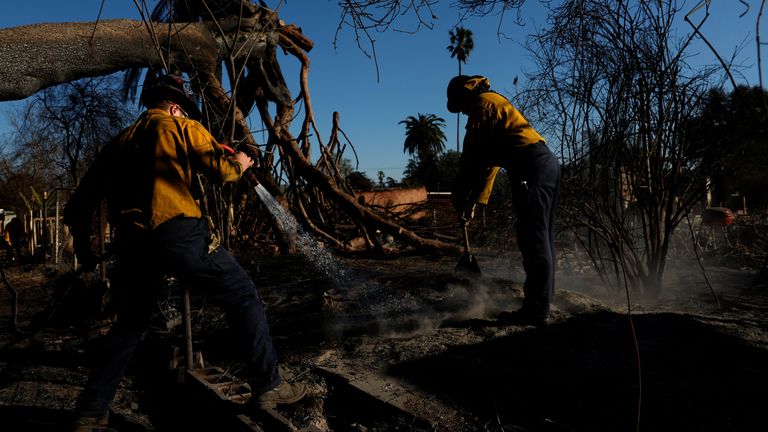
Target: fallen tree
<point>240,42</point>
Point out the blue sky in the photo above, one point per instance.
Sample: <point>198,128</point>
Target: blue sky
<point>413,68</point>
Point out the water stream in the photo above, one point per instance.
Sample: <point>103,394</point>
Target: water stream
<point>380,309</point>
<point>315,253</point>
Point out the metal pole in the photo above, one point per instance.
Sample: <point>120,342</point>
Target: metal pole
<point>56,233</point>
<point>32,238</point>
<point>44,231</point>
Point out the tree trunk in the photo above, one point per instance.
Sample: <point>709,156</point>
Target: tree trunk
<point>34,57</point>
<point>58,53</point>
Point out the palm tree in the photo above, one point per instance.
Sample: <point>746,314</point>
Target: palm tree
<point>460,47</point>
<point>424,136</point>
<point>461,44</point>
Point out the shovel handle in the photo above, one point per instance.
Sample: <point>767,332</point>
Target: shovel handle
<point>465,227</point>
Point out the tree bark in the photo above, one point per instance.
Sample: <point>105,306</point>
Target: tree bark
<point>34,57</point>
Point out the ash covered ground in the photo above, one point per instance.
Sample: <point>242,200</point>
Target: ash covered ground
<point>401,343</point>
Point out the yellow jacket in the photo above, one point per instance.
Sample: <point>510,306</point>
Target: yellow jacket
<point>495,128</point>
<point>147,173</point>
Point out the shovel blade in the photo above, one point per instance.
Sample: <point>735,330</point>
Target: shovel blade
<point>467,266</point>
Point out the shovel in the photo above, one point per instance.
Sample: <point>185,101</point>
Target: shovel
<point>467,265</point>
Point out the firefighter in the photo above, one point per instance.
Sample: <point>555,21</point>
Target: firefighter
<point>146,174</point>
<point>498,136</point>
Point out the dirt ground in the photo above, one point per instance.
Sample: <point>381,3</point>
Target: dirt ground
<point>402,344</point>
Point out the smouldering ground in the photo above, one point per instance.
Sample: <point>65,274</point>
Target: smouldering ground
<point>426,347</point>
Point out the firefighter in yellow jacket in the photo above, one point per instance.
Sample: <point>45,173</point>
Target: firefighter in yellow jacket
<point>147,175</point>
<point>498,136</point>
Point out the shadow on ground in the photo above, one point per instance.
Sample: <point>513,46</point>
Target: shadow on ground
<point>582,374</point>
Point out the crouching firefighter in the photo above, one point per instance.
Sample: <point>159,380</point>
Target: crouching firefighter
<point>498,136</point>
<point>146,175</point>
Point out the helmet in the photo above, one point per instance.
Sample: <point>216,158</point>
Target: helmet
<point>171,88</point>
<point>462,87</point>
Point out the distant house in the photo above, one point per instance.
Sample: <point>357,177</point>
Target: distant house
<point>407,203</point>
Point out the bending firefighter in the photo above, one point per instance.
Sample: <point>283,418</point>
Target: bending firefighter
<point>498,136</point>
<point>146,174</point>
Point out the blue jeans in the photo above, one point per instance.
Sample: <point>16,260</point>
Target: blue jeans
<point>535,177</point>
<point>179,248</point>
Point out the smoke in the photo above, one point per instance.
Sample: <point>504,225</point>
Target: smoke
<point>481,301</point>
<point>685,285</point>
<point>386,310</point>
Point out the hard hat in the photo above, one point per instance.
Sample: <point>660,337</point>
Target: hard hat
<point>462,87</point>
<point>172,88</point>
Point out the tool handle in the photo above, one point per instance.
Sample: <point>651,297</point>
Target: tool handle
<point>227,149</point>
<point>465,227</point>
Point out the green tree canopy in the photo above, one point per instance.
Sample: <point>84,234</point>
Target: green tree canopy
<point>437,175</point>
<point>733,128</point>
<point>424,136</point>
<point>360,182</point>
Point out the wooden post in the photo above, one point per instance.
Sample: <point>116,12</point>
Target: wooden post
<point>187,319</point>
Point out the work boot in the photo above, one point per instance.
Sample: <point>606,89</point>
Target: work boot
<point>90,424</point>
<point>284,393</point>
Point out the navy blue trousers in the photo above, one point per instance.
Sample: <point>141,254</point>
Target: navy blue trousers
<point>535,177</point>
<point>178,248</point>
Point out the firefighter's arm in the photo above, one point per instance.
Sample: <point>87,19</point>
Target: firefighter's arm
<point>484,185</point>
<point>474,182</point>
<point>216,165</point>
